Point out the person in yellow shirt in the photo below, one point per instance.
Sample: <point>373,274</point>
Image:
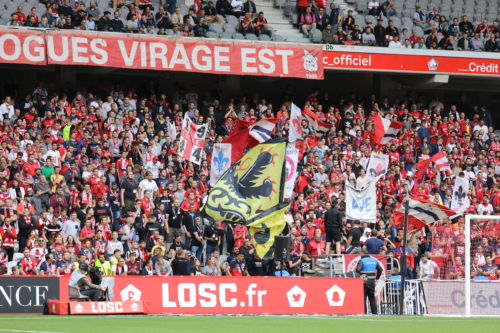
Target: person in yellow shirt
<point>160,245</point>
<point>56,178</point>
<point>103,265</point>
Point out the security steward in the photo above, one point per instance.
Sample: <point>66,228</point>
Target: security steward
<point>79,280</point>
<point>370,271</point>
<point>333,225</point>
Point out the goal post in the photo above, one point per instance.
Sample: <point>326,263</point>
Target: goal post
<point>467,264</point>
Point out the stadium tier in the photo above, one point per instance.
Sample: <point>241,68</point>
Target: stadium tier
<point>137,156</point>
<point>436,25</point>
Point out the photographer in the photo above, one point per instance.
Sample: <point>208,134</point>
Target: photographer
<point>79,280</point>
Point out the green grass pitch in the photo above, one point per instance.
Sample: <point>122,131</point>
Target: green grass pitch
<point>248,324</point>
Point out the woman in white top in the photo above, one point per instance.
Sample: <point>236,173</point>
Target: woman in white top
<point>395,43</point>
<point>373,8</point>
<point>360,182</point>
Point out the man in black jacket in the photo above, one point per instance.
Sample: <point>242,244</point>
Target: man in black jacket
<point>188,224</point>
<point>333,225</point>
<point>180,264</point>
<point>224,8</point>
<point>26,223</point>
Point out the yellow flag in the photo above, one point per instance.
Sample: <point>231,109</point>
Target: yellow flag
<point>251,192</point>
<point>265,229</point>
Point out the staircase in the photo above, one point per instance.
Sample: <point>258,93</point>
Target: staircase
<point>279,22</point>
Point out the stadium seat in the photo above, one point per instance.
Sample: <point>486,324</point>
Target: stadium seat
<point>211,34</point>
<point>229,28</point>
<point>226,35</point>
<point>315,36</point>
<point>169,32</point>
<point>278,38</point>
<point>231,20</point>
<point>74,294</point>
<point>237,35</point>
<point>264,38</point>
<point>251,37</point>
<point>17,256</point>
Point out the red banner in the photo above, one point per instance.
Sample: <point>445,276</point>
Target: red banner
<point>418,63</point>
<point>115,307</point>
<point>22,46</point>
<point>351,261</point>
<point>244,295</point>
<point>184,54</point>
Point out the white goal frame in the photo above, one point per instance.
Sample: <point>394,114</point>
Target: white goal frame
<point>467,291</point>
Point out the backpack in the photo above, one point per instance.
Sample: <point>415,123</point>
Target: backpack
<point>45,310</point>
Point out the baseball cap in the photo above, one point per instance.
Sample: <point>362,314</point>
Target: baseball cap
<point>476,116</point>
<point>409,174</point>
<point>155,158</point>
<point>188,253</point>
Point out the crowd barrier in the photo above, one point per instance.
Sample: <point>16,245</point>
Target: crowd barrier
<point>200,295</point>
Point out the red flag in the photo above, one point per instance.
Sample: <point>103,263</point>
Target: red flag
<point>378,126</point>
<point>241,125</point>
<point>197,6</point>
<point>239,142</point>
<point>421,168</point>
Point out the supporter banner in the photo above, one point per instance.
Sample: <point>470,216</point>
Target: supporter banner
<point>410,61</point>
<point>295,124</point>
<point>460,200</point>
<point>192,140</point>
<point>377,167</point>
<point>291,172</point>
<point>115,307</point>
<point>184,54</point>
<point>221,161</point>
<point>26,294</point>
<point>22,46</point>
<point>243,295</point>
<point>361,204</point>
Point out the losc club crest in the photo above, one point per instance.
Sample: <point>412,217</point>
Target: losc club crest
<point>134,307</point>
<point>432,65</point>
<point>79,308</point>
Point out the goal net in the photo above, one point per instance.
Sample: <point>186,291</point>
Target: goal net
<point>467,258</point>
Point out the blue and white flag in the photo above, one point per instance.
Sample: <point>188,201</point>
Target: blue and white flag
<point>221,161</point>
<point>262,130</point>
<point>391,129</point>
<point>361,204</point>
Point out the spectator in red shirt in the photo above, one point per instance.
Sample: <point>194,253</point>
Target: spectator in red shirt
<point>316,246</point>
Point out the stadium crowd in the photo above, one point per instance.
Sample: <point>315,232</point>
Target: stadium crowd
<point>92,176</point>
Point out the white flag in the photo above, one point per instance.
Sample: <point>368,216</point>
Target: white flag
<point>221,161</point>
<point>291,160</point>
<point>192,140</point>
<point>171,131</point>
<point>376,167</point>
<point>459,199</point>
<point>295,124</point>
<point>361,204</point>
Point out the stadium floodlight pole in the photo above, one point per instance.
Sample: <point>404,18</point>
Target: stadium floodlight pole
<point>403,258</point>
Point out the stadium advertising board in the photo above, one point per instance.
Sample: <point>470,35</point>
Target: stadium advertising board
<point>240,295</point>
<point>20,294</point>
<point>448,298</point>
<point>416,61</point>
<point>37,47</point>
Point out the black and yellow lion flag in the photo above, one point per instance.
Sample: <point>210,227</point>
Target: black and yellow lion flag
<point>251,192</point>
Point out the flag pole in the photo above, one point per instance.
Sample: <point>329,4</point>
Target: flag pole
<point>403,257</point>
